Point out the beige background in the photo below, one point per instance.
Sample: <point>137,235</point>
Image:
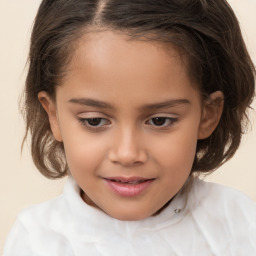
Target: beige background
<point>20,184</point>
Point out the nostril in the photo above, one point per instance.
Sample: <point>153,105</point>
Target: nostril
<point>126,162</point>
<point>128,159</point>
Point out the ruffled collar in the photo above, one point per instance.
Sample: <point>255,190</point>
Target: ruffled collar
<point>91,218</point>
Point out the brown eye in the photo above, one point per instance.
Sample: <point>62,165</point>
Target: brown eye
<point>159,121</point>
<point>94,121</point>
<point>162,122</point>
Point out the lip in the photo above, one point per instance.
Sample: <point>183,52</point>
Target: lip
<point>128,187</point>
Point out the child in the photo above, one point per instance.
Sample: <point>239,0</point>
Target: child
<point>133,100</point>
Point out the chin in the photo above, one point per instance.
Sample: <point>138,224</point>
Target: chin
<point>129,215</point>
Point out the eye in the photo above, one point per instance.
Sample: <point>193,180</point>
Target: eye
<point>96,122</point>
<point>161,122</point>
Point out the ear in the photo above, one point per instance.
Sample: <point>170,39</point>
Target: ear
<point>211,114</point>
<point>50,107</point>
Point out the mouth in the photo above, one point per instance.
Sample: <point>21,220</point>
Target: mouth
<point>128,187</point>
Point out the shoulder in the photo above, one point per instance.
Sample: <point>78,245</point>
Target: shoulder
<point>44,213</point>
<point>225,216</point>
<point>37,226</point>
<point>52,213</point>
<point>216,195</point>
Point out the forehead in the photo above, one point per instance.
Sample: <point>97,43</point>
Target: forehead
<point>110,61</point>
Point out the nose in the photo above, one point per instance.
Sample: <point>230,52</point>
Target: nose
<point>127,149</point>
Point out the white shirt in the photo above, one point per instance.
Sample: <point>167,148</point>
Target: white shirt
<point>210,220</point>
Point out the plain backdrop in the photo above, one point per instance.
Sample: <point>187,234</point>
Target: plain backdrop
<point>21,185</point>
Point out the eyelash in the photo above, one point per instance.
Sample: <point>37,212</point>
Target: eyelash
<point>86,122</point>
<point>170,122</point>
<point>165,123</point>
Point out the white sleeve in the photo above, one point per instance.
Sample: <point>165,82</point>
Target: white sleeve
<point>33,239</point>
<point>18,241</point>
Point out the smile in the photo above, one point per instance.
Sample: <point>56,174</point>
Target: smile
<point>128,187</point>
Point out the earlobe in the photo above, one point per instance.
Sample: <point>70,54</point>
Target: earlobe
<point>211,114</point>
<point>50,107</point>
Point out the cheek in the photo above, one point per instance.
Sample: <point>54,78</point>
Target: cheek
<point>177,150</point>
<point>174,157</point>
<point>83,151</point>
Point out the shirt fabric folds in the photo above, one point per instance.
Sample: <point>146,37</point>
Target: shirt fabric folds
<point>210,220</point>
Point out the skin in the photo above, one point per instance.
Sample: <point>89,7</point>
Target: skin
<point>137,81</point>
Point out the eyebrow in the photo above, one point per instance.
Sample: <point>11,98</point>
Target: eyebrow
<point>167,104</point>
<point>92,103</point>
<point>154,106</point>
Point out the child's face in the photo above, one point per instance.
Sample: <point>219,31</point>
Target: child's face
<point>129,118</point>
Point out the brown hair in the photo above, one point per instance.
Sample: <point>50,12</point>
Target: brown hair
<point>206,31</point>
